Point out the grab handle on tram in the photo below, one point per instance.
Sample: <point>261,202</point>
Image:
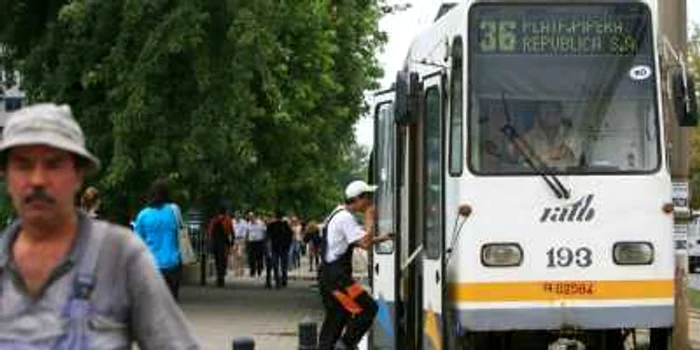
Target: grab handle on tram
<point>411,258</point>
<point>464,211</point>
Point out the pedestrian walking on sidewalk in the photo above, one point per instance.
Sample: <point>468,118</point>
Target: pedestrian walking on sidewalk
<point>280,236</point>
<point>255,240</point>
<point>240,229</point>
<point>295,250</point>
<point>312,239</point>
<point>90,202</point>
<point>70,281</point>
<point>348,305</point>
<point>157,224</point>
<point>220,232</point>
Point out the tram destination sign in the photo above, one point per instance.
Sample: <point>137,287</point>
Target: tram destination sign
<point>572,30</point>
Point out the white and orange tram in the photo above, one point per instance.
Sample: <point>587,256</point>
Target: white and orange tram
<point>521,162</point>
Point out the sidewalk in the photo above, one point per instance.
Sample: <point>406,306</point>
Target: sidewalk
<point>694,313</point>
<point>694,328</point>
<point>243,308</point>
<point>303,273</point>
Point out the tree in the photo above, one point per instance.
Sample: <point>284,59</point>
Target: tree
<point>243,101</point>
<point>694,65</point>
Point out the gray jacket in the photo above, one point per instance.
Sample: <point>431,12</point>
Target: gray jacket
<point>130,301</point>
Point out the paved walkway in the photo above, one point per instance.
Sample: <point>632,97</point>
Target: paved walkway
<point>694,327</point>
<point>244,308</point>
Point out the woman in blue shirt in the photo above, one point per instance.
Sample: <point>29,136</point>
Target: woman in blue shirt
<point>157,224</point>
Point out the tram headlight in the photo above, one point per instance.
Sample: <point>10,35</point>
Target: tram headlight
<point>501,254</point>
<point>633,253</point>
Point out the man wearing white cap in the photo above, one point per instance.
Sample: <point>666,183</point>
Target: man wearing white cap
<point>68,281</point>
<point>348,306</point>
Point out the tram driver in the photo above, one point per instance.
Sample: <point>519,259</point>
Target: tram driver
<point>551,137</point>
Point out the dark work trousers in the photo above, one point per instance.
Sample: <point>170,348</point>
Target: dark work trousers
<point>172,278</point>
<point>249,256</point>
<point>256,257</point>
<point>350,307</point>
<point>221,262</point>
<point>269,267</point>
<point>279,259</point>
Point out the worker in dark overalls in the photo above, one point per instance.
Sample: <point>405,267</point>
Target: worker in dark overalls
<point>347,304</point>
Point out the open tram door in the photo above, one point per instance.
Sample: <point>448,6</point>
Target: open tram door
<point>430,222</point>
<point>383,270</point>
<point>420,209</point>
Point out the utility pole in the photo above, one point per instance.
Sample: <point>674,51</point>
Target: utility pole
<point>673,27</point>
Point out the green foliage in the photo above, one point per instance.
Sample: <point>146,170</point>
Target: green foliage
<point>248,102</point>
<point>694,298</point>
<point>694,66</point>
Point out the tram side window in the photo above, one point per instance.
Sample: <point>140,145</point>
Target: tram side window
<point>433,166</point>
<point>456,104</point>
<point>384,160</point>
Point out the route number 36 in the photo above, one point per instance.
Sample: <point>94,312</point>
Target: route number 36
<point>565,256</point>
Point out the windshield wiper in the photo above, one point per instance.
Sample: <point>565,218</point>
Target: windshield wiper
<point>551,179</point>
<point>557,187</point>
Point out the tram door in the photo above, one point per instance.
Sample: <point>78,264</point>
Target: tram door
<point>431,225</point>
<point>384,257</point>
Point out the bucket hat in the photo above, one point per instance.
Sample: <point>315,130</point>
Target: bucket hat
<point>46,124</point>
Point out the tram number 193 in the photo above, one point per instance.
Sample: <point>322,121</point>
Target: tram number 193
<point>565,256</point>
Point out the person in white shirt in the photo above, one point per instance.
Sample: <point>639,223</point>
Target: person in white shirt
<point>240,228</point>
<point>348,306</point>
<point>296,250</point>
<point>255,241</point>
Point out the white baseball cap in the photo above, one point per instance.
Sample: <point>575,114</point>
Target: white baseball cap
<point>46,124</point>
<point>357,188</point>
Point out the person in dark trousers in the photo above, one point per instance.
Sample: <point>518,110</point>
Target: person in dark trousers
<point>312,239</point>
<point>347,304</point>
<point>280,239</point>
<point>220,239</point>
<point>255,241</point>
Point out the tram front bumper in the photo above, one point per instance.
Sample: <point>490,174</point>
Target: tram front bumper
<point>574,317</point>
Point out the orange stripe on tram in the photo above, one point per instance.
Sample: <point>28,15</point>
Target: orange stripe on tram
<point>561,290</point>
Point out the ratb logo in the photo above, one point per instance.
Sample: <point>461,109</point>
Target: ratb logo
<point>581,211</point>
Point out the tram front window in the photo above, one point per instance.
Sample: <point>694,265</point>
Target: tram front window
<point>570,88</point>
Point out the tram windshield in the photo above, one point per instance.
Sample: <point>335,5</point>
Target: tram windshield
<point>571,87</point>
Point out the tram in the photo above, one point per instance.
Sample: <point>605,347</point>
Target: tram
<point>522,164</point>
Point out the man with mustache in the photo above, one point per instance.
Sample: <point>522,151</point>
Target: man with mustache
<point>68,281</point>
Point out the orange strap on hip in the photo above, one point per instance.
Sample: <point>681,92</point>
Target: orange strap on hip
<point>347,298</point>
